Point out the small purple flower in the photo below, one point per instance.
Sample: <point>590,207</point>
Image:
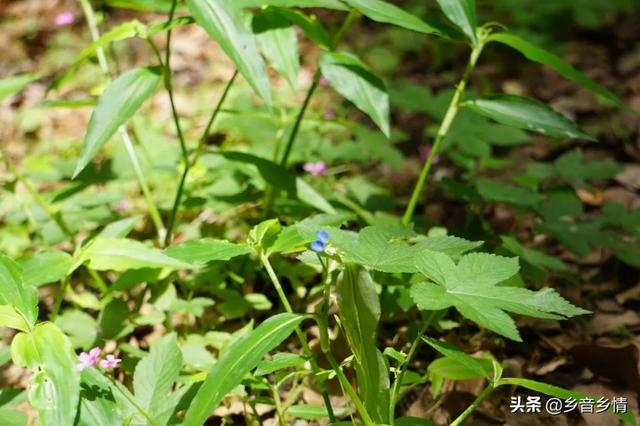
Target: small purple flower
<point>110,361</point>
<point>425,151</point>
<point>320,244</point>
<point>329,114</point>
<point>88,360</point>
<point>324,82</point>
<point>316,169</point>
<point>65,18</point>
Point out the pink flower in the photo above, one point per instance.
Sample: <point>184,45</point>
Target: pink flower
<point>316,169</point>
<point>110,361</point>
<point>329,114</point>
<point>425,151</point>
<point>324,82</point>
<point>65,18</point>
<point>88,360</point>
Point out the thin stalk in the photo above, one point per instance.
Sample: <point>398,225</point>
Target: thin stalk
<point>189,163</point>
<point>278,404</point>
<point>402,369</point>
<point>466,413</point>
<point>303,340</point>
<point>346,386</point>
<point>445,126</point>
<point>90,16</point>
<point>52,212</point>
<point>314,85</point>
<point>59,297</point>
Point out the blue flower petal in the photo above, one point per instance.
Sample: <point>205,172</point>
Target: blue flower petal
<point>317,246</point>
<point>322,236</point>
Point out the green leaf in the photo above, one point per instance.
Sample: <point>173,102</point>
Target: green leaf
<point>155,376</point>
<point>10,317</point>
<point>537,54</point>
<point>236,361</point>
<point>14,292</point>
<point>98,402</point>
<point>526,113</point>
<point>11,85</point>
<point>224,24</point>
<point>328,4</point>
<point>309,25</point>
<point>297,236</point>
<point>463,14</point>
<point>307,411</point>
<point>206,250</point>
<point>280,361</point>
<point>447,244</point>
<point>55,384</point>
<point>121,254</point>
<point>561,393</point>
<point>573,168</point>
<point>497,191</point>
<point>46,267</point>
<point>279,44</point>
<point>351,78</point>
<point>471,287</point>
<point>81,328</point>
<point>381,11</point>
<point>479,367</point>
<point>120,228</point>
<point>534,257</point>
<point>119,102</point>
<point>359,309</point>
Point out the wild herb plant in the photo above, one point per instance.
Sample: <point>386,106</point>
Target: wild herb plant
<point>323,272</point>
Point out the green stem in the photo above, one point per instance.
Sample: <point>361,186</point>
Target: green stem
<point>466,413</point>
<point>90,16</point>
<point>59,298</point>
<point>189,163</point>
<point>278,404</point>
<point>303,340</point>
<point>344,382</point>
<point>450,115</point>
<point>402,369</point>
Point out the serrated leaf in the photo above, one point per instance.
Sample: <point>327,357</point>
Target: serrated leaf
<point>223,23</point>
<point>351,78</point>
<point>447,244</point>
<point>14,292</point>
<point>121,254</point>
<point>11,85</point>
<point>155,376</point>
<point>46,267</point>
<point>206,250</point>
<point>55,384</point>
<point>359,310</point>
<point>471,287</point>
<point>526,113</point>
<point>117,104</point>
<point>463,14</point>
<point>384,12</point>
<point>236,361</point>
<point>537,54</point>
<point>279,43</point>
<point>572,167</point>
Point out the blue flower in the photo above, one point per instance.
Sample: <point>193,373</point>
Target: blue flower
<point>320,244</point>
<point>323,236</point>
<point>317,246</point>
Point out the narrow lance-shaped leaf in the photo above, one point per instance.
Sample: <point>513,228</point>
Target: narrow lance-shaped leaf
<point>222,22</point>
<point>117,104</point>
<point>55,384</point>
<point>360,313</point>
<point>351,78</point>
<point>526,113</point>
<point>11,85</point>
<point>236,361</point>
<point>279,43</point>
<point>540,55</point>
<point>463,14</point>
<point>327,4</point>
<point>381,11</point>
